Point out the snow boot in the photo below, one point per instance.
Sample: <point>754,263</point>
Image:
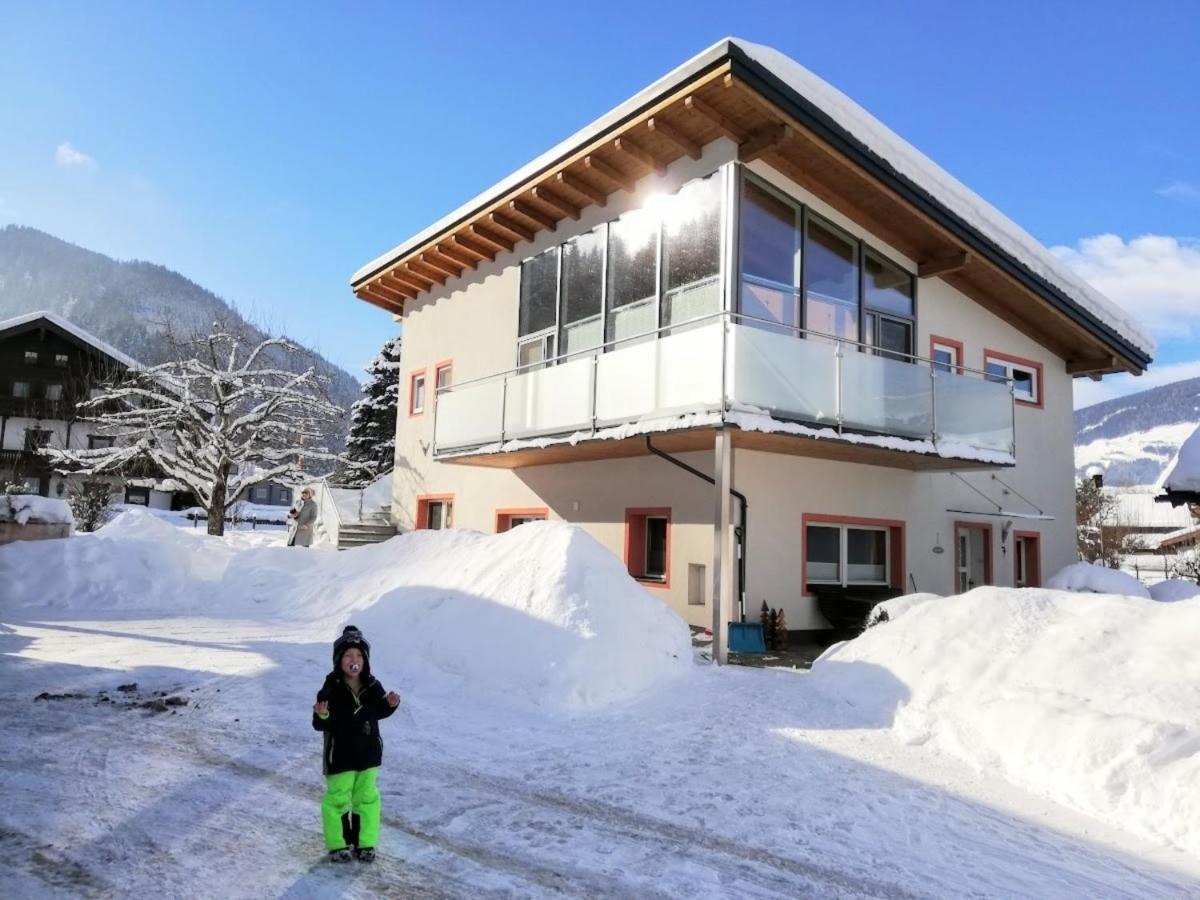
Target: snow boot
<point>350,828</point>
<point>366,854</point>
<point>341,856</point>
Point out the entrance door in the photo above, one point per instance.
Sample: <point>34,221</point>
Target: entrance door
<point>972,556</point>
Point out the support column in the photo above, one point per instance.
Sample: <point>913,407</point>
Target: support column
<point>722,568</point>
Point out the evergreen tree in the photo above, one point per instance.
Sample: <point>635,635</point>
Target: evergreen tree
<point>371,448</point>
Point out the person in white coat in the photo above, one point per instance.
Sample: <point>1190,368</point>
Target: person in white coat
<point>305,516</point>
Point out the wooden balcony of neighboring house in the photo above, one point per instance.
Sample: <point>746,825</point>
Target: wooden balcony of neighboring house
<point>37,408</point>
<point>774,387</point>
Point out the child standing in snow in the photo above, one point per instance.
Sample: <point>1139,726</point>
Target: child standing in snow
<point>348,709</point>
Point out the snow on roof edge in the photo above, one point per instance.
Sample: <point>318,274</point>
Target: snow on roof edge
<point>884,143</point>
<point>86,336</point>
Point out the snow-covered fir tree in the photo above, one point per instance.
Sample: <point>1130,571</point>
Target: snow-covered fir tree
<point>371,446</point>
<point>218,420</point>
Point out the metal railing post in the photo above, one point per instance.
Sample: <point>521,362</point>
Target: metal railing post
<point>933,405</point>
<point>503,406</point>
<point>837,381</point>
<point>595,386</point>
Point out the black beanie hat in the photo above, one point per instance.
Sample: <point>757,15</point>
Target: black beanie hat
<point>351,637</point>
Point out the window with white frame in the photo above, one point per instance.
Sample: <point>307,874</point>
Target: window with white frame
<point>54,392</point>
<point>20,390</point>
<point>60,359</point>
<point>100,441</point>
<point>945,357</point>
<point>31,357</point>
<point>1025,378</point>
<point>416,394</point>
<point>847,554</point>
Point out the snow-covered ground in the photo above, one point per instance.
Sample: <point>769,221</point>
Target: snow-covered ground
<point>556,737</point>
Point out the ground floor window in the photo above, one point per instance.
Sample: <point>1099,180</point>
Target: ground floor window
<point>1027,559</point>
<point>435,512</point>
<point>648,545</point>
<point>139,496</point>
<point>852,551</point>
<point>508,519</point>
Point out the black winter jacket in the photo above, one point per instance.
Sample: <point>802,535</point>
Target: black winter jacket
<point>352,741</point>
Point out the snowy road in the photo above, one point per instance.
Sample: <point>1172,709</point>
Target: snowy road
<point>734,784</point>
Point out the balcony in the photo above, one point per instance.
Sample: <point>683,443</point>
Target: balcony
<point>775,387</point>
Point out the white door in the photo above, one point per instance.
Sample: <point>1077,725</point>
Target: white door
<point>971,557</point>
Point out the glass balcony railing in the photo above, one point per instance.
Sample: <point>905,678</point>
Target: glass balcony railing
<point>727,363</point>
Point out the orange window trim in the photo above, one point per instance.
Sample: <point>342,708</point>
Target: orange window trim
<point>504,517</point>
<point>1034,563</point>
<point>635,544</point>
<point>896,544</point>
<point>437,370</point>
<point>412,379</point>
<point>987,552</point>
<point>1026,363</point>
<point>423,501</point>
<point>949,342</point>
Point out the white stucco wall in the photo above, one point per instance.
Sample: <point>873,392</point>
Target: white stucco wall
<point>472,321</point>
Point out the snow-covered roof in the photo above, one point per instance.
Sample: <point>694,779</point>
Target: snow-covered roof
<point>85,336</point>
<point>1137,508</point>
<point>885,145</point>
<point>1183,474</point>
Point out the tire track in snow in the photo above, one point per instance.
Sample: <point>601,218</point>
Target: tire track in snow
<point>50,867</point>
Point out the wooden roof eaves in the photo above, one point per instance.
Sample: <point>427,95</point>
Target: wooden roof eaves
<point>817,121</point>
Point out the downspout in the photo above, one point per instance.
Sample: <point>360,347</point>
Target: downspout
<point>739,532</point>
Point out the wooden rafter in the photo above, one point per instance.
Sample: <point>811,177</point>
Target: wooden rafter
<point>714,118</point>
<point>763,140</point>
<point>415,279</point>
<point>460,258</point>
<point>1090,366</point>
<point>474,247</point>
<point>436,262</point>
<point>509,225</point>
<point>529,211</point>
<point>613,174</point>
<point>376,300</point>
<point>584,187</point>
<point>389,294</point>
<point>641,154</point>
<point>557,201</point>
<point>660,126</point>
<point>395,284</point>
<point>944,265</point>
<point>420,267</point>
<point>490,238</point>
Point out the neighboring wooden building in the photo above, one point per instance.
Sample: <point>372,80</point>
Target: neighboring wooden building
<point>47,366</point>
<point>741,270</point>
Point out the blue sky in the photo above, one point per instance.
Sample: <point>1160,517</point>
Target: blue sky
<point>268,150</point>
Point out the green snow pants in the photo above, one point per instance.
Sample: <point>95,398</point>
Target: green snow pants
<point>343,792</point>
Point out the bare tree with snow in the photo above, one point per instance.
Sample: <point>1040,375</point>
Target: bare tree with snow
<point>220,419</point>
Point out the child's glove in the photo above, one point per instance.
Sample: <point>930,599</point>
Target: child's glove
<point>393,699</point>
<point>321,708</point>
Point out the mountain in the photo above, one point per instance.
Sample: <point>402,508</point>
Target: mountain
<point>124,303</point>
<point>1135,437</point>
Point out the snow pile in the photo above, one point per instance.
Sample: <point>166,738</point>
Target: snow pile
<point>25,508</point>
<point>1091,700</point>
<point>1183,474</point>
<point>1173,590</point>
<point>1092,578</point>
<point>540,615</point>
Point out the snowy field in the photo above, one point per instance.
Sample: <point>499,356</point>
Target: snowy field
<point>557,738</point>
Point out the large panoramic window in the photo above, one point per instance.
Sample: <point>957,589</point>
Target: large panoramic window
<point>583,292</point>
<point>830,281</point>
<point>691,250</point>
<point>770,252</point>
<point>888,319</point>
<point>632,275</point>
<point>538,308</point>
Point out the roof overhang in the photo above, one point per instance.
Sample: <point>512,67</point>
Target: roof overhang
<point>726,92</point>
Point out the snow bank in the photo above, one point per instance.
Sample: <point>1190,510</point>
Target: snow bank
<point>540,615</point>
<point>1173,590</point>
<point>25,508</point>
<point>1091,700</point>
<point>1096,579</point>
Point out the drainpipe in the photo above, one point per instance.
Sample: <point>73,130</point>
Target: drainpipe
<point>739,532</point>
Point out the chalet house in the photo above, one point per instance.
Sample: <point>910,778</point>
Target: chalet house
<point>47,366</point>
<point>757,345</point>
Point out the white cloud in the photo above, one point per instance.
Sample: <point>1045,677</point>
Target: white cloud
<point>1180,190</point>
<point>1154,277</point>
<point>70,158</point>
<point>1088,392</point>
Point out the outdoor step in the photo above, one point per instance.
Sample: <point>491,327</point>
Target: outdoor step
<point>364,528</point>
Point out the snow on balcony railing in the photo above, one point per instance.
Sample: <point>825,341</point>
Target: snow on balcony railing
<point>726,368</point>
